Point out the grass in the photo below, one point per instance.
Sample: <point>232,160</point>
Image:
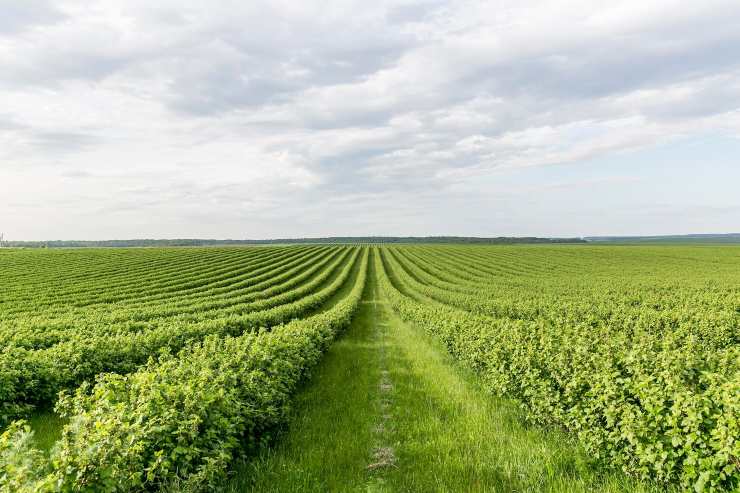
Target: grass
<point>452,436</point>
<point>388,410</point>
<point>47,427</point>
<point>325,447</point>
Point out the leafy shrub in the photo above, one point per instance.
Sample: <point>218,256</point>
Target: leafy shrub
<point>181,418</point>
<point>658,404</point>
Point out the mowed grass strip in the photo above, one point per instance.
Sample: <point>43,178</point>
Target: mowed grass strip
<point>445,432</point>
<point>327,444</point>
<point>47,426</point>
<point>450,435</point>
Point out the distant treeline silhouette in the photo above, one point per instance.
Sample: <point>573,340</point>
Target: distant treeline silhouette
<point>503,240</point>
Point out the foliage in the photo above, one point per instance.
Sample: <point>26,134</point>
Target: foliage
<point>87,347</point>
<point>654,395</point>
<point>171,362</point>
<point>179,418</point>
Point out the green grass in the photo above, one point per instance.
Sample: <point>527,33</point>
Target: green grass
<point>325,447</point>
<point>451,436</point>
<point>388,409</point>
<point>47,427</point>
<point>385,386</point>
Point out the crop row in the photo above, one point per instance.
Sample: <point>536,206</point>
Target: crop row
<point>712,309</point>
<point>246,296</point>
<point>181,419</point>
<point>29,378</point>
<point>156,283</point>
<point>67,280</point>
<point>715,328</point>
<point>659,403</point>
<point>69,317</point>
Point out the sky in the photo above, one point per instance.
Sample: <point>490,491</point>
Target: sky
<point>233,119</point>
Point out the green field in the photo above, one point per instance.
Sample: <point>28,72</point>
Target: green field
<point>371,368</point>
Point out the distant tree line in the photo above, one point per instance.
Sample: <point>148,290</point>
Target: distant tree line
<point>690,238</point>
<point>503,240</point>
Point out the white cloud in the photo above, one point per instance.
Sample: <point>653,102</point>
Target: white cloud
<point>230,117</point>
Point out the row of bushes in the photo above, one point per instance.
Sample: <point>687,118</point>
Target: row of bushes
<point>182,418</point>
<point>657,405</point>
<point>716,325</point>
<point>102,277</point>
<point>29,378</point>
<point>39,323</point>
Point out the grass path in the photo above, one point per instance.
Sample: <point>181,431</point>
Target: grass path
<point>387,410</point>
<point>327,445</point>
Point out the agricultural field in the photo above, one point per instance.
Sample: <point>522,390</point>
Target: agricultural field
<point>371,368</point>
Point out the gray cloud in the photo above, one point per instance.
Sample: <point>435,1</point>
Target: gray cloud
<point>10,124</point>
<point>272,109</point>
<point>19,16</point>
<point>62,142</point>
<point>76,174</point>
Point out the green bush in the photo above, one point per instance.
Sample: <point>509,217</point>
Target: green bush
<point>651,402</point>
<point>181,418</point>
<point>32,377</point>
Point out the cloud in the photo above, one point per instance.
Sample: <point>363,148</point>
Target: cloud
<point>61,142</point>
<point>279,107</point>
<point>77,174</point>
<point>19,16</point>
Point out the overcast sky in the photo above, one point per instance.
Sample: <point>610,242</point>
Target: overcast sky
<point>250,119</point>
